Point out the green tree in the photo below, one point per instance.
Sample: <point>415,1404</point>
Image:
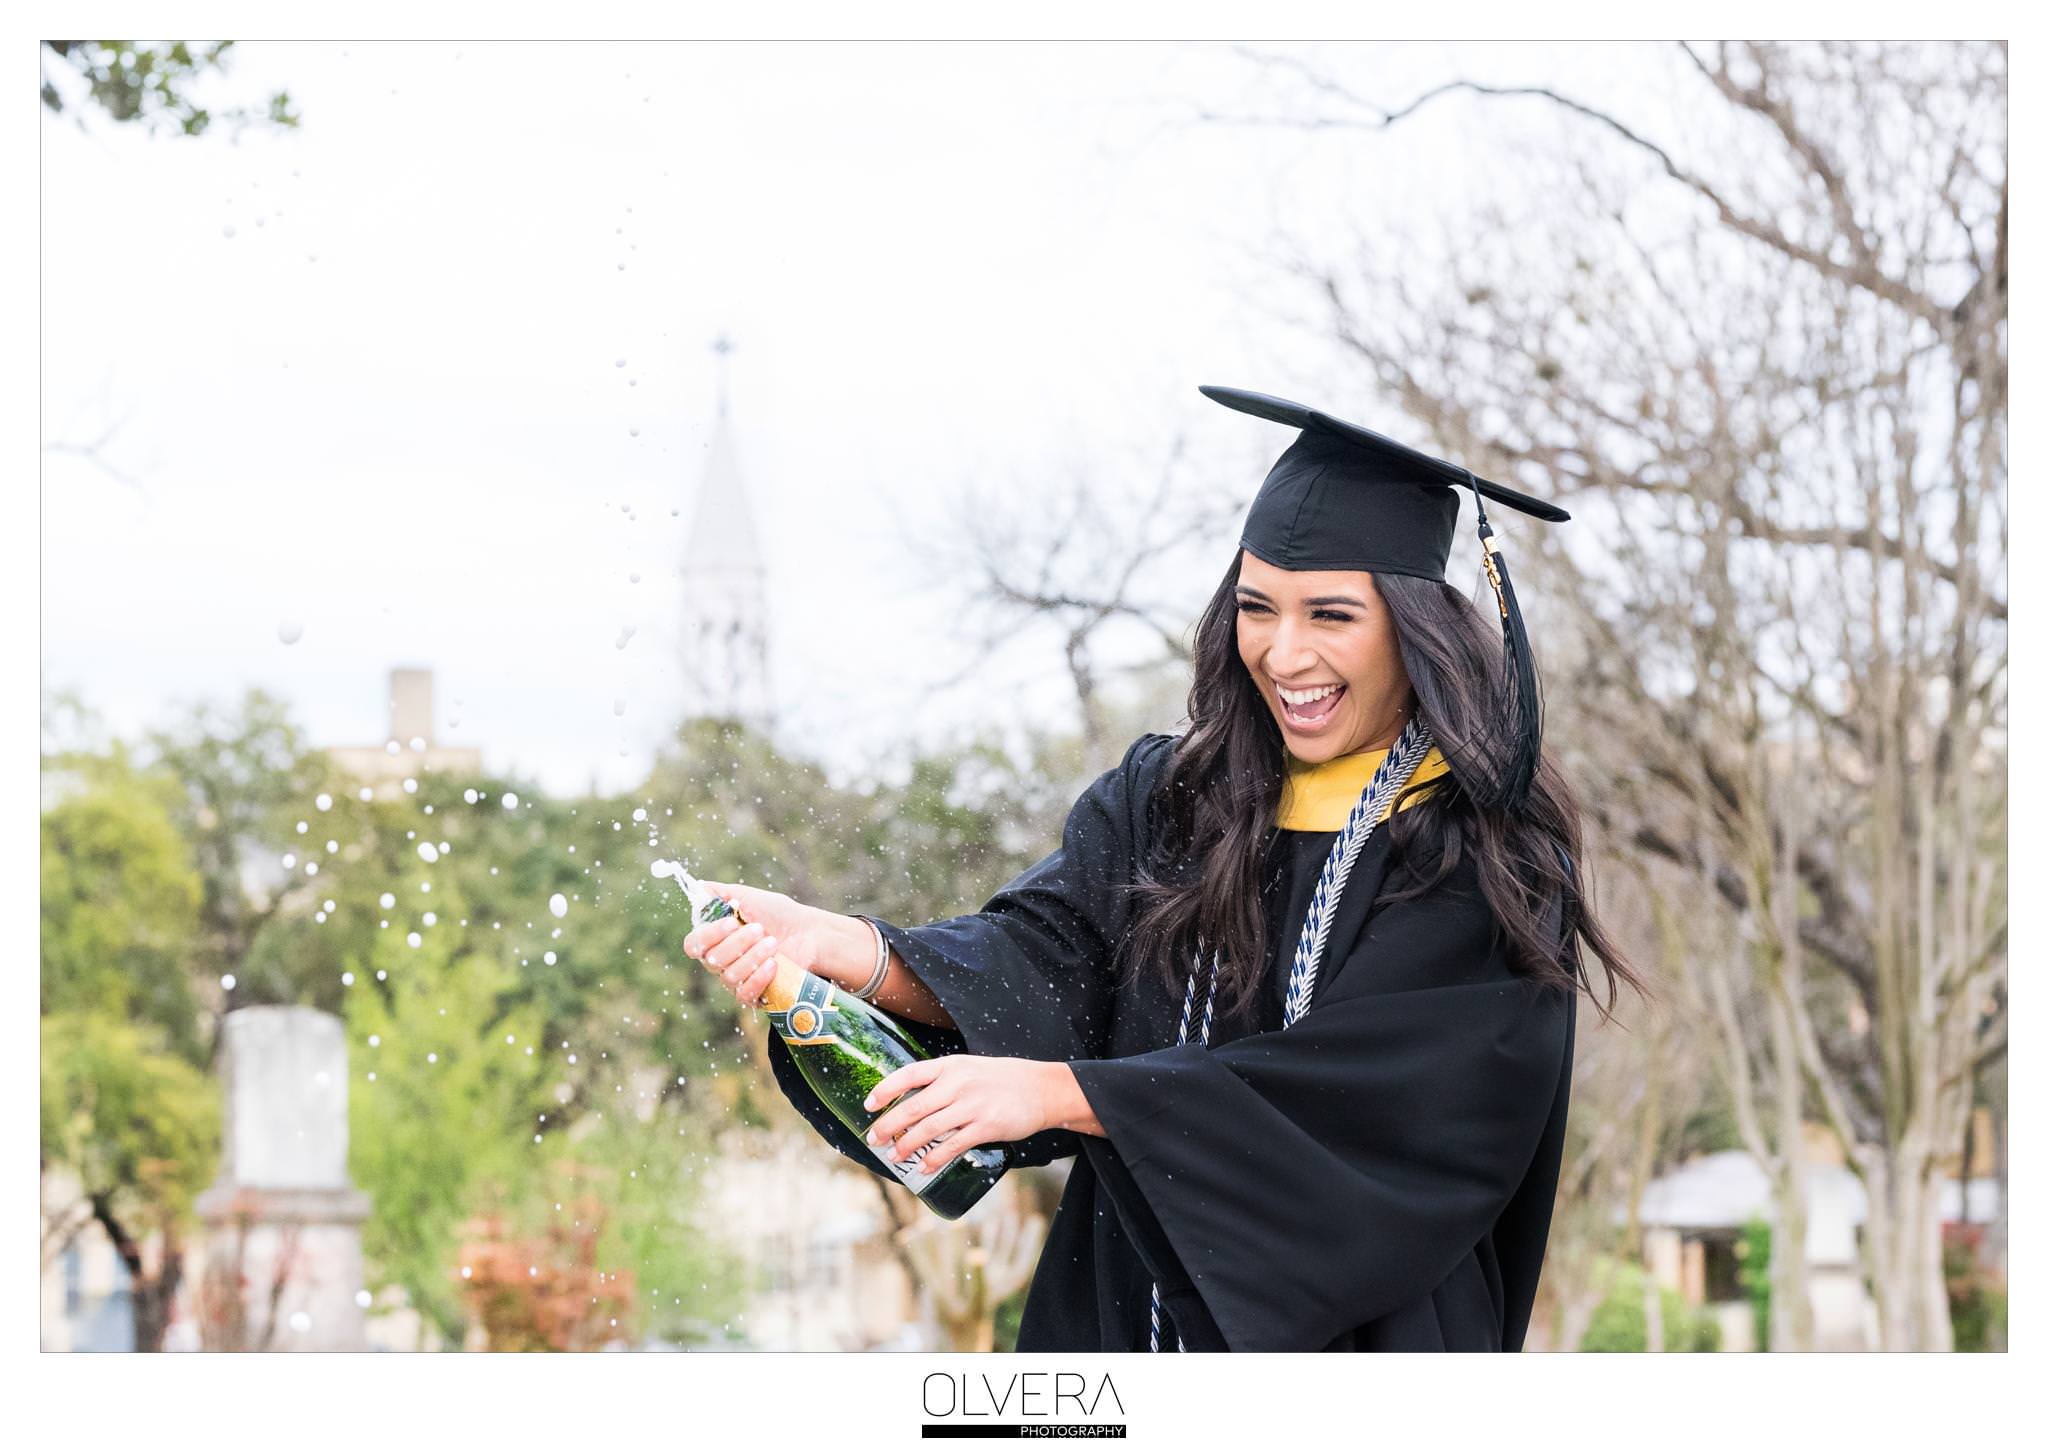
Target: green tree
<point>151,84</point>
<point>246,777</point>
<point>139,1127</point>
<point>120,900</point>
<point>447,1094</point>
<point>126,1107</point>
<point>687,1284</point>
<point>1754,1250</point>
<point>1618,1324</point>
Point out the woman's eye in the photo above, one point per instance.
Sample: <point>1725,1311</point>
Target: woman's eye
<point>1334,616</point>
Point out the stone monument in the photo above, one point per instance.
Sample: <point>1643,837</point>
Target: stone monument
<point>284,1258</point>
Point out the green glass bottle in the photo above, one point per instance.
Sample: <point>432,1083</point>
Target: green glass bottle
<point>843,1046</point>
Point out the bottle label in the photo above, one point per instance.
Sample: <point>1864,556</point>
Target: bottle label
<point>811,1021</point>
<point>811,1017</point>
<point>910,1172</point>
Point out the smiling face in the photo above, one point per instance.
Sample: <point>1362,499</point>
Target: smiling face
<point>1325,638</point>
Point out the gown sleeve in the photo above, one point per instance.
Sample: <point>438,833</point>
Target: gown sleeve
<point>1028,975</point>
<point>1313,1178</point>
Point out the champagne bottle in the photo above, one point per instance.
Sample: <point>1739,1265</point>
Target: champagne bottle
<point>843,1046</point>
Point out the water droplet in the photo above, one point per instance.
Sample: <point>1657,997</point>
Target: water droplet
<point>559,904</point>
<point>620,363</point>
<point>412,939</point>
<point>227,983</point>
<point>363,1294</point>
<point>323,801</point>
<point>391,747</point>
<point>548,958</point>
<point>364,794</point>
<point>428,853</point>
<point>632,432</point>
<point>301,1321</point>
<point>387,900</point>
<point>289,631</point>
<point>348,978</point>
<point>469,797</point>
<point>632,578</point>
<point>625,637</point>
<point>290,861</point>
<point>618,706</point>
<point>412,786</point>
<point>639,815</point>
<point>511,801</point>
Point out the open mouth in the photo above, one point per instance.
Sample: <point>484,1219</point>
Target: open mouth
<point>1309,709</point>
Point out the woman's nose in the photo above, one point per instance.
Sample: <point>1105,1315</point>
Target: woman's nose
<point>1290,658</point>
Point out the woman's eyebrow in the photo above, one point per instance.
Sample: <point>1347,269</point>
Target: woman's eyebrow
<point>1249,592</point>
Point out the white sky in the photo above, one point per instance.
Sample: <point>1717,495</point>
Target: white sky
<point>387,407</point>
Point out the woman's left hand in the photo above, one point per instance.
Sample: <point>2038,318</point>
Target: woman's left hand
<point>976,1099</point>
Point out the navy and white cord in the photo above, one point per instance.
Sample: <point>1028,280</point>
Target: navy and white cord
<point>1374,803</point>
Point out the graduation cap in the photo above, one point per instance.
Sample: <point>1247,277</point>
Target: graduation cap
<point>1346,497</point>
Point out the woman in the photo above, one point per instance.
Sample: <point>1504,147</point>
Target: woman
<point>1296,990</point>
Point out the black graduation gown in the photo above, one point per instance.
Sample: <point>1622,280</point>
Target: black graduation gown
<point>1378,1176</point>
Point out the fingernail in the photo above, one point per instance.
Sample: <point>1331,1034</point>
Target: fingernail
<point>873,1138</point>
<point>768,942</point>
<point>869,1104</point>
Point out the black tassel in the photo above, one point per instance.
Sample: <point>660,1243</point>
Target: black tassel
<point>1521,722</point>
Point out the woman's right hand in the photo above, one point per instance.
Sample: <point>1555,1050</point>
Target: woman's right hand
<point>744,956</point>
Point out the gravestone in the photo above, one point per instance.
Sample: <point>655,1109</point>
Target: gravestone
<point>284,1257</point>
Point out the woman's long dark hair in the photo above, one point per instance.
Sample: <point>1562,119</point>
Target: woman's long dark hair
<point>1214,810</point>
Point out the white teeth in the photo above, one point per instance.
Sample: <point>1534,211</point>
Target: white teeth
<point>1299,697</point>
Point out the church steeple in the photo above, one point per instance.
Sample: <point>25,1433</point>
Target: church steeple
<point>725,595</point>
<point>722,346</point>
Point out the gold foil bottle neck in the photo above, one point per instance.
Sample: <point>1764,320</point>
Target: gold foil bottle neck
<point>781,992</point>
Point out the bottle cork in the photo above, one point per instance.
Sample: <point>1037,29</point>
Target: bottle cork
<point>705,905</point>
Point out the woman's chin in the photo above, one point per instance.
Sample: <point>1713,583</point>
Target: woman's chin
<point>1311,747</point>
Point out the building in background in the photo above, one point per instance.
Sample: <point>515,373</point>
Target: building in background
<point>1694,1215</point>
<point>410,749</point>
<point>816,1244</point>
<point>86,1305</point>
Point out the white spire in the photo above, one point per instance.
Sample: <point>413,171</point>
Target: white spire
<point>724,512</point>
<point>724,576</point>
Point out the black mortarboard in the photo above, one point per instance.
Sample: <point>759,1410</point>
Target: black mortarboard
<point>1345,497</point>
